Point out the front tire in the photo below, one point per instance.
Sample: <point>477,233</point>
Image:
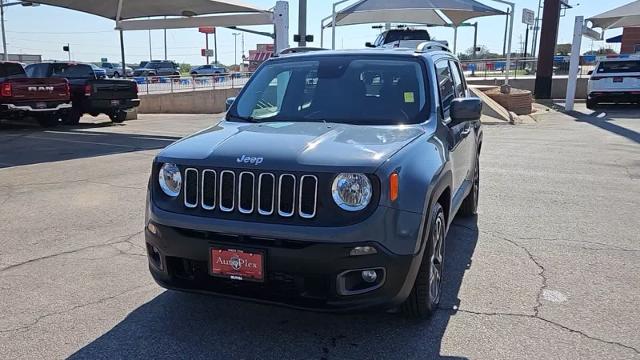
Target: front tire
<point>425,295</point>
<point>592,104</point>
<point>469,205</point>
<point>116,75</point>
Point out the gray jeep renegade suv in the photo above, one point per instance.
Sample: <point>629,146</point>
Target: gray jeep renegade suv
<point>330,184</point>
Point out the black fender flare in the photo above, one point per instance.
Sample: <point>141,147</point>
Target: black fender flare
<point>438,186</point>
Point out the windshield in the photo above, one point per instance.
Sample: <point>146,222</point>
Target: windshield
<point>346,89</point>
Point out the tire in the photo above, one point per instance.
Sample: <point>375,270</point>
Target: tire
<point>469,206</point>
<point>118,117</point>
<point>72,117</point>
<point>592,104</point>
<point>116,75</point>
<point>425,295</point>
<point>49,120</point>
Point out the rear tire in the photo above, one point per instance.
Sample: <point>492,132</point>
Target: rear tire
<point>118,117</point>
<point>72,117</point>
<point>469,205</point>
<point>48,120</point>
<point>425,295</point>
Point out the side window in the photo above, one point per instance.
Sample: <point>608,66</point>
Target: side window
<point>445,85</point>
<point>458,80</point>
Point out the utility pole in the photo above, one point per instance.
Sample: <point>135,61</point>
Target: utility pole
<point>4,36</point>
<point>548,37</point>
<point>165,42</point>
<point>235,48</point>
<point>242,57</point>
<point>215,46</point>
<point>302,22</point>
<point>536,31</point>
<point>150,51</point>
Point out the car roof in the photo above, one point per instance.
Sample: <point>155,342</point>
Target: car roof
<point>627,58</point>
<point>396,52</point>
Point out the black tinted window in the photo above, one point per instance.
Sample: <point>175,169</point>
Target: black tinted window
<point>619,67</point>
<point>37,70</point>
<point>445,84</point>
<point>407,35</point>
<point>8,70</point>
<point>72,71</point>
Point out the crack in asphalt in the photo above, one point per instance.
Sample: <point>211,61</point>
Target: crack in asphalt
<point>76,307</point>
<point>108,243</point>
<point>563,327</point>
<point>543,287</point>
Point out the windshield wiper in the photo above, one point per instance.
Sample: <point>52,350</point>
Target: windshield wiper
<point>249,119</point>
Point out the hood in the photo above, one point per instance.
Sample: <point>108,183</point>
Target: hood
<point>292,146</point>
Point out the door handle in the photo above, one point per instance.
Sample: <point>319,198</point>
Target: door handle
<point>466,131</point>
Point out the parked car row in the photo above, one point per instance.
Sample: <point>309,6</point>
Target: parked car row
<point>61,92</point>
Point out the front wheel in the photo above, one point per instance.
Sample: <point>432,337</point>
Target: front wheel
<point>116,75</point>
<point>118,117</point>
<point>469,205</point>
<point>425,295</point>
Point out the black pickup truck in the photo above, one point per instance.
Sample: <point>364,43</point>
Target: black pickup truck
<point>90,93</point>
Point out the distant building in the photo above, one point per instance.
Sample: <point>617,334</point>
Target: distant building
<point>630,40</point>
<point>23,58</point>
<point>262,53</point>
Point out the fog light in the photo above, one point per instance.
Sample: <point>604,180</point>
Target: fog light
<point>363,250</point>
<point>152,229</point>
<point>369,276</point>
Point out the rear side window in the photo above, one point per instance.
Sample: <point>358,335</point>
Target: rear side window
<point>610,67</point>
<point>445,84</point>
<point>11,70</point>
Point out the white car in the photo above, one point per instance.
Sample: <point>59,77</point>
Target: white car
<point>614,80</point>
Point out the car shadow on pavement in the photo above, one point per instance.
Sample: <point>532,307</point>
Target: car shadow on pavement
<point>602,119</point>
<point>35,145</point>
<point>180,325</point>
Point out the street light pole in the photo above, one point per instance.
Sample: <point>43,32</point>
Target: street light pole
<point>4,36</point>
<point>505,88</point>
<point>235,48</point>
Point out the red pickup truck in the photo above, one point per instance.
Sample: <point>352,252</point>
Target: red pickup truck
<point>45,99</point>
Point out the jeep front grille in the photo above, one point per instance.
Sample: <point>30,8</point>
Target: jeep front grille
<point>251,193</point>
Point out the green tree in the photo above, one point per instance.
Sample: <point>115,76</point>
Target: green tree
<point>563,49</point>
<point>185,68</point>
<point>602,51</point>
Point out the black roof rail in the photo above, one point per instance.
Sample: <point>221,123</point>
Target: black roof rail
<point>431,46</point>
<point>300,49</point>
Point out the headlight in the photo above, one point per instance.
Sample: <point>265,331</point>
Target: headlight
<point>170,179</point>
<point>352,192</point>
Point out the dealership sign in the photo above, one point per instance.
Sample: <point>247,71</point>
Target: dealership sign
<point>207,29</point>
<point>528,17</point>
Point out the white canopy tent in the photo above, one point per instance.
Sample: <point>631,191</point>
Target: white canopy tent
<point>129,14</point>
<point>425,12</point>
<point>623,16</point>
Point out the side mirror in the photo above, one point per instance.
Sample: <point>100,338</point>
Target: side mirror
<point>369,45</point>
<point>590,72</point>
<point>465,109</point>
<point>229,102</point>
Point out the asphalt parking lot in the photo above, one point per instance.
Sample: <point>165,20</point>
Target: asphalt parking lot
<point>548,269</point>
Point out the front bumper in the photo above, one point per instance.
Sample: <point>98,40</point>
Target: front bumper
<point>299,274</point>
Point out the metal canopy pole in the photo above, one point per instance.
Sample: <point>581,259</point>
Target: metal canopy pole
<point>455,39</point>
<point>333,23</point>
<point>505,88</point>
<point>118,13</point>
<point>4,36</point>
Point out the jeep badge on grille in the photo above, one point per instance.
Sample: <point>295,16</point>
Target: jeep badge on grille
<point>250,160</point>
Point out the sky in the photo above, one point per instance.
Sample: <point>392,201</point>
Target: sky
<point>45,30</point>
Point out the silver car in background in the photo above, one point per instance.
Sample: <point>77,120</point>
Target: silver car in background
<point>115,70</point>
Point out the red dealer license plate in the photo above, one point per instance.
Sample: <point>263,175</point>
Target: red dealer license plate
<point>237,264</point>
